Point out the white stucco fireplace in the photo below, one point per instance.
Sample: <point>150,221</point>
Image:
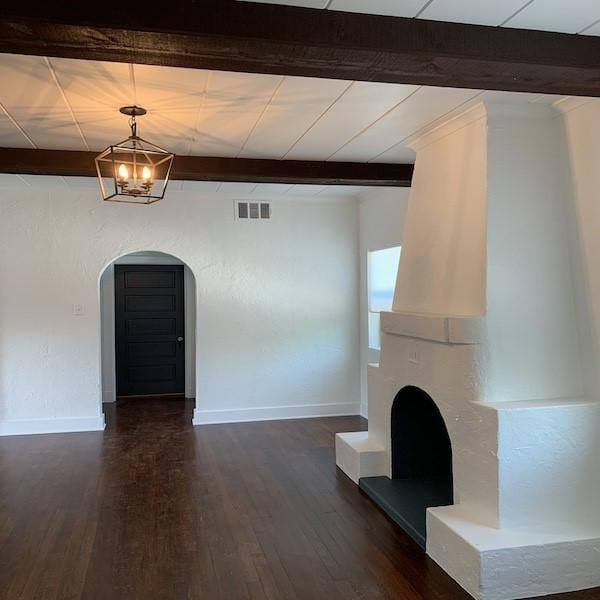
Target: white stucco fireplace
<point>486,325</point>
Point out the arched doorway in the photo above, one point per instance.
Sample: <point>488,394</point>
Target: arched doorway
<point>421,455</point>
<point>108,319</point>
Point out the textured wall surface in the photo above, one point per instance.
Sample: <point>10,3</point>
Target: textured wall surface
<point>582,129</point>
<point>277,302</point>
<point>442,270</point>
<point>531,319</point>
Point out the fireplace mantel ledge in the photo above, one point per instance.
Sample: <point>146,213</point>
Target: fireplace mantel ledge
<point>437,328</point>
<point>515,405</point>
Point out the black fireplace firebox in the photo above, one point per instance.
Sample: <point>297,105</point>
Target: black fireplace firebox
<point>421,464</point>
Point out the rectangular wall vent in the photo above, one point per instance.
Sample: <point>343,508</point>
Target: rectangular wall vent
<point>252,210</point>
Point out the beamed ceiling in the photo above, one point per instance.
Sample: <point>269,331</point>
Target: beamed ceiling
<point>70,104</point>
<point>58,103</point>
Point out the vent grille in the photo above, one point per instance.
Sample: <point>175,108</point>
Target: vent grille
<point>253,210</point>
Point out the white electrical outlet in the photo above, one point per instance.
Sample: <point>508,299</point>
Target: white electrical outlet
<point>78,310</point>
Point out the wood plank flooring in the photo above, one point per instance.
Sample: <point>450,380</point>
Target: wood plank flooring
<point>154,508</point>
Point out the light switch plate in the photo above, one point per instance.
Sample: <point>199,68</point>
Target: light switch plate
<point>78,310</point>
<point>414,356</point>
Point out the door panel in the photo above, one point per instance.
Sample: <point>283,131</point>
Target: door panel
<point>151,326</point>
<point>148,303</point>
<point>145,279</point>
<point>149,329</point>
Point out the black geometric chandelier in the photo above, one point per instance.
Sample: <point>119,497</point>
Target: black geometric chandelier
<point>134,170</point>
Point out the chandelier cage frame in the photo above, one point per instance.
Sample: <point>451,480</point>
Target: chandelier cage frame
<point>139,169</point>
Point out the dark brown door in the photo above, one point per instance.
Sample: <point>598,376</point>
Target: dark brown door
<point>149,330</point>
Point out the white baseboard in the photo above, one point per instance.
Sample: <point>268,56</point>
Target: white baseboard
<point>61,425</point>
<point>274,413</point>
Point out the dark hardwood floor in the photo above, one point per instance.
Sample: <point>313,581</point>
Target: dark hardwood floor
<point>154,508</point>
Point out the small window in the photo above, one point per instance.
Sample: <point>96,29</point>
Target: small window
<point>382,270</point>
<point>253,210</point>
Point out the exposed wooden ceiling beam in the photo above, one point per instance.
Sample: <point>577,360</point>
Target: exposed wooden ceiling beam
<point>266,38</point>
<point>73,163</point>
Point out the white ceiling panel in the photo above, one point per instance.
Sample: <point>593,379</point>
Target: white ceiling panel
<point>272,188</point>
<point>306,190</point>
<point>237,188</point>
<point>222,133</point>
<point>397,154</point>
<point>593,29</point>
<point>296,106</point>
<point>31,97</point>
<point>168,89</point>
<point>423,107</point>
<point>173,98</point>
<point>10,134</point>
<point>45,181</point>
<point>200,186</point>
<point>557,15</point>
<point>82,183</point>
<point>232,91</point>
<point>350,191</point>
<point>175,185</point>
<point>9,181</point>
<point>394,8</point>
<point>357,109</point>
<point>95,91</point>
<point>233,105</point>
<point>519,97</point>
<point>471,11</point>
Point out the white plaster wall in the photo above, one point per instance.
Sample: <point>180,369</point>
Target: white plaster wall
<point>277,307</point>
<point>582,129</point>
<point>530,316</point>
<point>382,213</point>
<point>442,269</point>
<point>487,234</point>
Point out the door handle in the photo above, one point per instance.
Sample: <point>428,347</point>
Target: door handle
<point>180,339</point>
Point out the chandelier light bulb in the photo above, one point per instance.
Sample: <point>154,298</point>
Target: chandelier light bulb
<point>146,175</point>
<point>123,172</point>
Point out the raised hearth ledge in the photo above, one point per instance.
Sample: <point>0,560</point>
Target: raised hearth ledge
<point>436,328</point>
<point>358,456</point>
<point>489,563</point>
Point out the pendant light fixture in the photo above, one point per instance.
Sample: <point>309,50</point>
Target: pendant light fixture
<point>134,170</point>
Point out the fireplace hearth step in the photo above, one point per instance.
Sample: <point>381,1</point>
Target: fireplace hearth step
<point>406,501</point>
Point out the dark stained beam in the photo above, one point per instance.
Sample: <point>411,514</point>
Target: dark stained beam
<point>74,163</point>
<point>284,40</point>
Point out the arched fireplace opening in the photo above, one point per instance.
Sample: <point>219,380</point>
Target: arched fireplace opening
<point>421,464</point>
<point>421,448</point>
